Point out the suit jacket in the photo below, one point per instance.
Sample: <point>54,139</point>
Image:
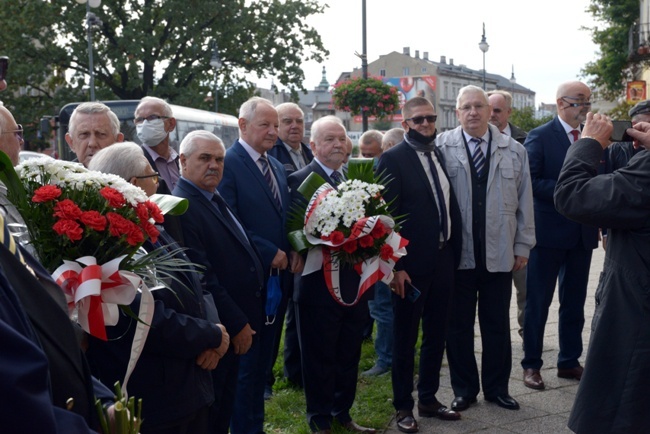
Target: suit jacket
<point>280,153</point>
<point>166,376</point>
<point>517,133</point>
<point>312,288</point>
<point>245,189</point>
<point>547,146</point>
<point>25,372</point>
<point>234,274</point>
<point>411,195</point>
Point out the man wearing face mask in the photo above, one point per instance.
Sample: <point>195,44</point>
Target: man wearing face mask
<point>155,121</point>
<point>419,187</point>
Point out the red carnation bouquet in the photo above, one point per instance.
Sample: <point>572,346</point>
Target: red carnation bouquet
<point>347,226</point>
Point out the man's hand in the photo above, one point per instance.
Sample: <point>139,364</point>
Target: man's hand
<point>225,341</point>
<point>243,340</point>
<point>641,132</point>
<point>520,263</point>
<point>208,359</point>
<point>280,261</point>
<point>599,127</point>
<point>398,285</point>
<point>296,262</point>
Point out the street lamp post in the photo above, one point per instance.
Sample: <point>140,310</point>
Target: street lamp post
<point>484,46</point>
<point>91,21</point>
<point>364,59</point>
<point>216,63</point>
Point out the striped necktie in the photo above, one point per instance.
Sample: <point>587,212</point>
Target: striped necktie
<point>266,171</point>
<point>478,157</point>
<point>8,240</point>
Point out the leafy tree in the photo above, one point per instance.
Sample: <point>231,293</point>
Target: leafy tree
<point>152,47</point>
<point>609,73</point>
<point>525,118</point>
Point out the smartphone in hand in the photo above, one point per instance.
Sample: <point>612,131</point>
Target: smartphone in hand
<point>412,293</point>
<point>619,133</point>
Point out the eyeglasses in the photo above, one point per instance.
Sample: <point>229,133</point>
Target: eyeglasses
<point>153,176</point>
<point>18,132</point>
<point>149,118</point>
<point>419,120</point>
<point>576,104</point>
<point>468,107</point>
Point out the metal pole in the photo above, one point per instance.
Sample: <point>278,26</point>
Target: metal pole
<point>216,88</point>
<point>90,52</point>
<point>484,70</point>
<point>364,59</point>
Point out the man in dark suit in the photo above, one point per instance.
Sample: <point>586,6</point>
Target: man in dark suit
<point>294,155</point>
<point>330,333</point>
<point>564,247</point>
<point>501,103</point>
<point>433,228</point>
<point>255,187</point>
<point>613,393</point>
<point>234,275</point>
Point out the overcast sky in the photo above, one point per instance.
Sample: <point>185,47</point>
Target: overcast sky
<point>543,40</point>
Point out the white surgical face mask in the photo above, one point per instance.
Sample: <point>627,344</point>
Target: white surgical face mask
<point>151,133</point>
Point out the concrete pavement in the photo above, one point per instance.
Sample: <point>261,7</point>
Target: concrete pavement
<point>545,411</point>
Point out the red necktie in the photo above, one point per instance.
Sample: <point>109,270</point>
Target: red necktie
<point>575,134</point>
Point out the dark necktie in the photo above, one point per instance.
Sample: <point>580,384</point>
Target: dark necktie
<point>336,177</point>
<point>442,206</point>
<point>266,171</point>
<point>235,226</point>
<point>478,157</point>
<point>575,134</point>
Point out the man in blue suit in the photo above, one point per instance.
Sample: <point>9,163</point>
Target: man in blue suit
<point>294,155</point>
<point>255,187</point>
<point>564,247</point>
<point>216,239</point>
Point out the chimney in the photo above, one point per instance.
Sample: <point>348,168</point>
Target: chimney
<point>407,51</point>
<point>425,55</point>
<point>443,60</point>
<point>417,54</point>
<point>451,61</point>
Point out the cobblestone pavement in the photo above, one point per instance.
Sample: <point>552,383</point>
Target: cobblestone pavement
<point>544,411</point>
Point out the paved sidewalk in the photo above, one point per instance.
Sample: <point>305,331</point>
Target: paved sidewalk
<point>544,411</point>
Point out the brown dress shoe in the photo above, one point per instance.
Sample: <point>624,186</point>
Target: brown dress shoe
<point>573,373</point>
<point>406,422</point>
<point>533,379</point>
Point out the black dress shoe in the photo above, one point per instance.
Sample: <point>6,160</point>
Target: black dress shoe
<point>352,426</point>
<point>461,403</point>
<point>406,422</point>
<point>437,410</point>
<point>505,401</point>
<point>572,373</point>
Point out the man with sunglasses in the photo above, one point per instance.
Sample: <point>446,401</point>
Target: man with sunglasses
<point>564,247</point>
<point>489,174</point>
<point>420,189</point>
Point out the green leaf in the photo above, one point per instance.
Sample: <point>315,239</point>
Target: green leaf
<point>310,185</point>
<point>169,204</point>
<point>10,179</point>
<point>361,169</point>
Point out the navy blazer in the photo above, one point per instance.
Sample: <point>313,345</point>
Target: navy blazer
<point>411,195</point>
<point>234,274</point>
<point>547,146</point>
<point>280,153</point>
<point>245,189</point>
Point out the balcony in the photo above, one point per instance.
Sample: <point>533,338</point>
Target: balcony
<point>639,42</point>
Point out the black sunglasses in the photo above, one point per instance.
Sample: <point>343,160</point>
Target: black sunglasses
<point>418,120</point>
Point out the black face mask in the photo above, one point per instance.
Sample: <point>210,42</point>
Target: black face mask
<point>421,138</point>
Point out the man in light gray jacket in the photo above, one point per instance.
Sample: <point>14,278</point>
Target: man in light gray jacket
<point>489,174</point>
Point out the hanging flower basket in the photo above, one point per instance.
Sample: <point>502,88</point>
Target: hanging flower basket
<point>365,95</point>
